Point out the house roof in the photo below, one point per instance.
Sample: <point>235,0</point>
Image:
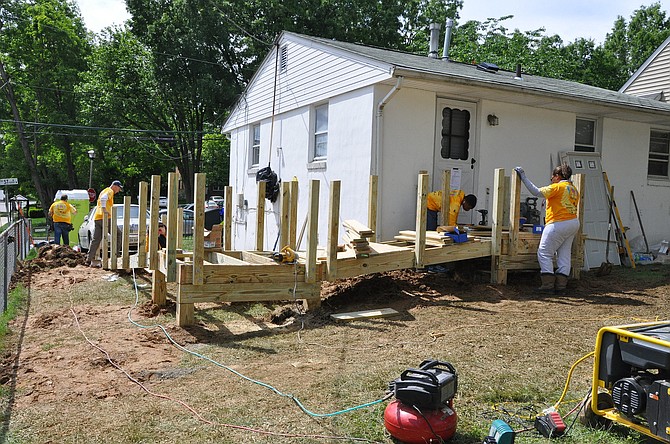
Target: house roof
<point>647,62</point>
<point>422,66</point>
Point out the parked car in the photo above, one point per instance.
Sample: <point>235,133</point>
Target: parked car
<point>162,202</point>
<point>218,200</point>
<point>87,228</point>
<point>210,204</point>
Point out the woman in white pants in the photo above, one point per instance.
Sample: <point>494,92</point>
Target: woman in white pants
<point>561,225</point>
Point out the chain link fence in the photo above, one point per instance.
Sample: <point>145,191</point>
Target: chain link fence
<point>14,247</point>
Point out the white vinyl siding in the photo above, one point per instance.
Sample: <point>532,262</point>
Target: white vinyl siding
<point>313,76</point>
<point>653,77</point>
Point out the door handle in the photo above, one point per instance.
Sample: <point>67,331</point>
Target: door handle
<point>472,163</point>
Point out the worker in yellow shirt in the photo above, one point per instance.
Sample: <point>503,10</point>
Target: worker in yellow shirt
<point>457,200</point>
<point>103,210</point>
<point>561,226</point>
<point>61,213</point>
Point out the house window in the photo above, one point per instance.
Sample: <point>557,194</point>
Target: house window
<point>255,150</point>
<point>455,142</point>
<point>585,135</point>
<point>659,154</point>
<point>320,132</point>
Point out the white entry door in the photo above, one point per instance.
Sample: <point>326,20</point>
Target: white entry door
<point>455,149</point>
<point>596,209</point>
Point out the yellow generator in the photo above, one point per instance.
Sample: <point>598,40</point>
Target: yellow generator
<point>631,377</point>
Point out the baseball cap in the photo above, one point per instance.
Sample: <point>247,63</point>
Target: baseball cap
<point>117,183</point>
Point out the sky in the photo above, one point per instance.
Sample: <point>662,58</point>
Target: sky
<point>570,19</point>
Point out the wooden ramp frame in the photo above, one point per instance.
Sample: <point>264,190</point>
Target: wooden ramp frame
<point>219,274</point>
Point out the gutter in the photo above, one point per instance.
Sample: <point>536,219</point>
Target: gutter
<point>377,166</point>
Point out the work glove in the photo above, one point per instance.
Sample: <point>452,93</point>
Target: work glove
<point>520,172</point>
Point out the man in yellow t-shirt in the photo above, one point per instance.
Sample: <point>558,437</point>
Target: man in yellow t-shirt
<point>103,210</point>
<point>61,213</point>
<point>457,200</point>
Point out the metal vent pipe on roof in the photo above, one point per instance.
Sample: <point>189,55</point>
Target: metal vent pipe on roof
<point>434,39</point>
<point>447,39</point>
<point>518,72</point>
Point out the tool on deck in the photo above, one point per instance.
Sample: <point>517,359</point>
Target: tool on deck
<point>285,256</point>
<point>606,267</point>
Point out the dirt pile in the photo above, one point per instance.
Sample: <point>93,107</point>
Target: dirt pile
<point>48,257</point>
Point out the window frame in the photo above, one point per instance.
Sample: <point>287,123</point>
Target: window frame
<point>585,147</point>
<point>254,146</point>
<point>659,156</point>
<point>315,133</point>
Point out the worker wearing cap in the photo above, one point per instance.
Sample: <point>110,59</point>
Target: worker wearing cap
<point>102,210</point>
<point>61,213</point>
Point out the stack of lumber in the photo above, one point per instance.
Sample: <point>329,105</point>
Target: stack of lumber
<point>432,237</point>
<point>356,236</point>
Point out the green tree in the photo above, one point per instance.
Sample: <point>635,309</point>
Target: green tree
<point>46,48</point>
<point>634,42</point>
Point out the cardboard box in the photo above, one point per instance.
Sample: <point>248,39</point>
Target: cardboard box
<point>214,238</point>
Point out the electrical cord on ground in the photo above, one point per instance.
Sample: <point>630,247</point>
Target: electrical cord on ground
<point>225,367</point>
<point>198,415</point>
<point>567,382</point>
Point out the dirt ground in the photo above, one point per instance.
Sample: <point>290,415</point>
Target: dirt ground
<point>92,360</point>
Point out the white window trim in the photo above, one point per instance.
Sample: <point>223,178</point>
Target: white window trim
<point>253,167</point>
<point>597,136</point>
<point>657,180</point>
<point>314,162</point>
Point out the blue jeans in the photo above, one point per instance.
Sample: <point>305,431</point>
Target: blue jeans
<point>431,220</point>
<point>62,229</point>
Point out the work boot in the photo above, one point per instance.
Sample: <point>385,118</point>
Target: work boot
<point>561,283</point>
<point>548,280</point>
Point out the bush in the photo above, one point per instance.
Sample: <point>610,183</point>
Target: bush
<point>36,213</point>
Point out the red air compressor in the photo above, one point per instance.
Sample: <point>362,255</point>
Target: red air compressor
<point>423,411</point>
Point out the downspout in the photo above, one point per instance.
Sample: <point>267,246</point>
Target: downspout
<point>377,167</point>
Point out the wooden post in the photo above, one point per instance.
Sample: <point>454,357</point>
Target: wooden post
<point>446,196</point>
<point>199,228</point>
<point>514,209</point>
<point>420,242</point>
<point>180,228</point>
<point>260,216</point>
<point>498,275</point>
<point>578,244</point>
<point>158,288</point>
<point>142,227</point>
<point>293,226</point>
<point>285,216</point>
<point>125,245</point>
<point>312,232</point>
<point>114,244</point>
<point>227,218</point>
<point>153,222</point>
<point>333,229</point>
<point>372,206</point>
<point>173,195</point>
<point>185,312</point>
<point>104,245</point>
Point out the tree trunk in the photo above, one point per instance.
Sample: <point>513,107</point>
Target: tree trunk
<point>42,192</point>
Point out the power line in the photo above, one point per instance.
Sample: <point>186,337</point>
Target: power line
<point>99,128</point>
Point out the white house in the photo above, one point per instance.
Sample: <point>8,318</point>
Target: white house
<point>328,110</point>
